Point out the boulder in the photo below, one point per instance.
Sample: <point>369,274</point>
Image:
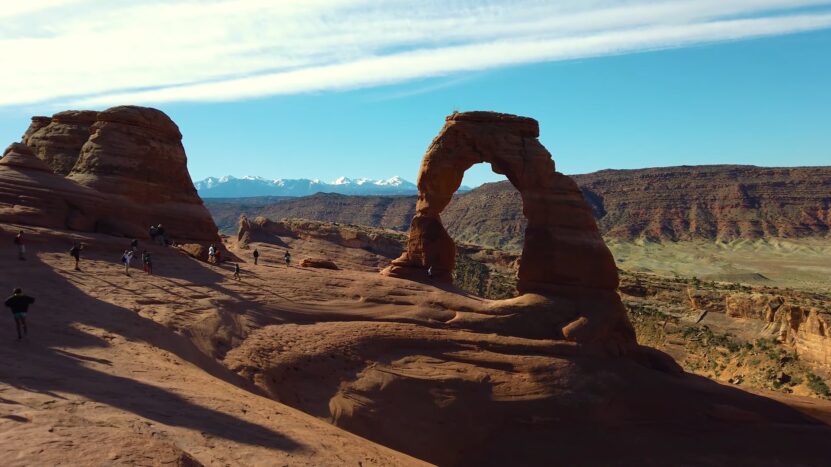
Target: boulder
<point>318,263</point>
<point>59,142</point>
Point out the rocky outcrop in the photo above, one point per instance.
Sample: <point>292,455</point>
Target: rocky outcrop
<point>30,193</point>
<point>806,329</point>
<point>59,142</point>
<point>563,253</point>
<point>135,154</point>
<point>130,173</point>
<point>38,122</point>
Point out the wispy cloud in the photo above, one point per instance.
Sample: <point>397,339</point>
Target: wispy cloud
<point>95,54</point>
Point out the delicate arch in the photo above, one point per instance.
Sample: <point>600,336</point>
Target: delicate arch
<point>563,249</point>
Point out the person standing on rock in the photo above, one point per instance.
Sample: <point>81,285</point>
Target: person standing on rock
<point>287,258</point>
<point>75,252</point>
<point>256,256</point>
<point>236,271</point>
<point>19,304</point>
<point>147,261</point>
<point>21,246</point>
<point>161,235</point>
<point>127,259</point>
<point>212,254</point>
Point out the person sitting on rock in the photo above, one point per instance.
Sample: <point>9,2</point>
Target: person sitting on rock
<point>19,304</point>
<point>21,246</point>
<point>212,254</point>
<point>236,271</point>
<point>148,262</point>
<point>256,256</point>
<point>287,258</point>
<point>75,252</point>
<point>127,258</point>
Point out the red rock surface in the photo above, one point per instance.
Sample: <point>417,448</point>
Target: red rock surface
<point>130,173</point>
<point>59,142</point>
<point>136,154</point>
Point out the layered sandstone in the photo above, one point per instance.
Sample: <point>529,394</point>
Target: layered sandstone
<point>128,171</point>
<point>135,155</point>
<point>563,254</point>
<point>804,328</point>
<point>30,193</point>
<point>59,142</point>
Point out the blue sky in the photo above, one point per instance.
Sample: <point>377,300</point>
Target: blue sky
<point>355,92</point>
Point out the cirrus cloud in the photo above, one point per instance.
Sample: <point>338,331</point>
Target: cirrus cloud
<point>89,53</point>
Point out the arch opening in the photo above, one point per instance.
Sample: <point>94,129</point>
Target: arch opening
<point>562,250</point>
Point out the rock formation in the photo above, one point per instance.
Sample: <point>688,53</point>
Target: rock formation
<point>563,255</point>
<point>805,329</point>
<point>136,154</point>
<point>59,142</point>
<point>30,193</point>
<point>318,263</point>
<point>128,171</point>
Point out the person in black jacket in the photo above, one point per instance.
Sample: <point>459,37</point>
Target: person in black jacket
<point>19,304</point>
<point>75,252</point>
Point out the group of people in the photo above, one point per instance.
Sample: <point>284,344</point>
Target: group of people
<point>129,254</point>
<point>19,303</point>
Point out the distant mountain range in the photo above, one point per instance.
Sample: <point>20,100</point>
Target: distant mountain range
<point>250,186</point>
<point>667,204</point>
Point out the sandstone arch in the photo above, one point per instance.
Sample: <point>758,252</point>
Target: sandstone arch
<point>563,251</point>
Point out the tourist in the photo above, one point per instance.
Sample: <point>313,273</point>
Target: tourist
<point>256,256</point>
<point>134,246</point>
<point>75,252</point>
<point>161,235</point>
<point>287,257</point>
<point>153,233</point>
<point>127,258</point>
<point>19,304</point>
<point>430,272</point>
<point>236,271</point>
<point>212,254</point>
<point>21,246</point>
<point>148,262</point>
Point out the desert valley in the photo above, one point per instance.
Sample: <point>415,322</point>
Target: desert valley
<point>663,316</point>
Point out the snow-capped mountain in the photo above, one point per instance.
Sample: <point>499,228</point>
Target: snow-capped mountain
<point>244,187</point>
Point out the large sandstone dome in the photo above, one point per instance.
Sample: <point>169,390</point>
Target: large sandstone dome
<point>125,169</point>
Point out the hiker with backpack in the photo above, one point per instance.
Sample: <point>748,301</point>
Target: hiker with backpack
<point>21,246</point>
<point>19,304</point>
<point>147,261</point>
<point>127,258</point>
<point>75,252</point>
<point>256,256</point>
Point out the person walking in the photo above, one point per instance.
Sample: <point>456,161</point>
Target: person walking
<point>19,304</point>
<point>147,261</point>
<point>127,259</point>
<point>236,271</point>
<point>75,252</point>
<point>212,254</point>
<point>21,246</point>
<point>256,256</point>
<point>287,258</point>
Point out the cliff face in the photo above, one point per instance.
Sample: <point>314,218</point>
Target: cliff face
<point>711,202</point>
